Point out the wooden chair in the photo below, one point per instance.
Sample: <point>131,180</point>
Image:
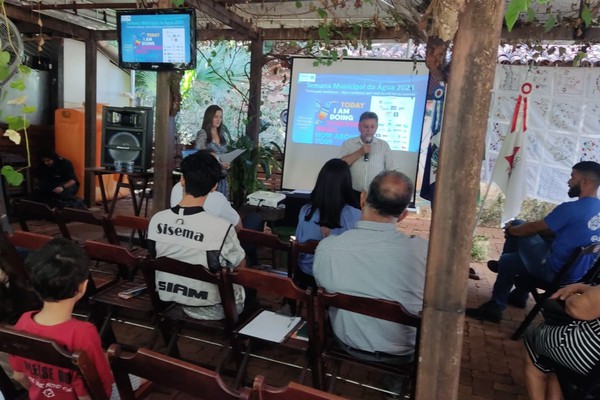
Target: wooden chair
<point>292,391</point>
<point>249,237</point>
<point>134,225</point>
<point>279,286</point>
<point>48,352</point>
<point>20,291</point>
<point>107,303</point>
<point>376,308</point>
<point>172,314</point>
<point>308,247</point>
<point>29,240</point>
<point>27,210</point>
<point>67,216</point>
<point>99,279</point>
<point>541,290</point>
<point>160,370</point>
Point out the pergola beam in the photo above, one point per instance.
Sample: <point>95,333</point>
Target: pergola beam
<point>16,13</point>
<point>82,6</point>
<point>225,16</point>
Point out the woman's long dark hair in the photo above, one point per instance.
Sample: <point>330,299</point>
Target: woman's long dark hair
<point>332,192</point>
<point>209,114</point>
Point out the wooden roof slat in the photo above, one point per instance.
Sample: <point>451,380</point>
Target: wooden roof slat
<point>23,14</point>
<point>224,15</point>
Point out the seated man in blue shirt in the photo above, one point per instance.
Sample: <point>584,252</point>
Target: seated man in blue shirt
<point>528,250</point>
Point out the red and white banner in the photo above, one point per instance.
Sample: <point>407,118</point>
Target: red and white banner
<point>510,170</point>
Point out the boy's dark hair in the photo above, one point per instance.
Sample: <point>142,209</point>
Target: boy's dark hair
<point>201,171</point>
<point>57,269</point>
<point>589,168</point>
<point>390,193</point>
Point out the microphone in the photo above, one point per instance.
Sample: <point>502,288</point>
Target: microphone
<point>368,141</point>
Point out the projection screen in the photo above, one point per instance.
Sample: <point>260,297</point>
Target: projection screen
<point>325,104</point>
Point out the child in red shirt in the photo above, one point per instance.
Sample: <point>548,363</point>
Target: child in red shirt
<point>59,271</point>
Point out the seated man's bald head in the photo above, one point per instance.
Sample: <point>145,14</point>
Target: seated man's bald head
<point>390,193</point>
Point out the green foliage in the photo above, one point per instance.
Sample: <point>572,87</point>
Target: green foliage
<point>243,172</point>
<point>515,7</point>
<point>177,3</point>
<point>550,22</point>
<point>479,250</point>
<point>586,16</point>
<point>17,122</point>
<point>13,178</point>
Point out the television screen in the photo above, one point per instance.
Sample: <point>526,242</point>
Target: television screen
<point>158,39</point>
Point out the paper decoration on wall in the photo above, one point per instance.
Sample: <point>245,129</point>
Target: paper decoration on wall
<point>569,81</point>
<point>563,125</point>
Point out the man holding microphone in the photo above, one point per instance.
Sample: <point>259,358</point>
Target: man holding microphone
<point>366,155</point>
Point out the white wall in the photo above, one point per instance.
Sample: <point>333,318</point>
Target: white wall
<point>111,83</point>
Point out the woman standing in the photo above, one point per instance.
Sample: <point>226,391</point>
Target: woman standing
<point>211,136</point>
<point>332,209</point>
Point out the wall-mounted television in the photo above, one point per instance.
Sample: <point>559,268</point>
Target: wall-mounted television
<point>157,39</point>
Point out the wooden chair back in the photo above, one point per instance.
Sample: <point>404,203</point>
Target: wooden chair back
<point>26,210</point>
<point>48,352</point>
<point>308,247</point>
<point>158,369</point>
<point>135,225</point>
<point>197,272</point>
<point>267,283</point>
<point>126,262</point>
<point>68,215</point>
<point>292,391</point>
<point>541,290</point>
<point>376,308</point>
<point>29,240</point>
<point>248,237</point>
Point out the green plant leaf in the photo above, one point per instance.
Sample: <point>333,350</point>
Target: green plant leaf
<point>322,13</point>
<point>24,69</point>
<point>16,122</point>
<point>298,4</point>
<point>513,10</point>
<point>530,14</point>
<point>177,3</point>
<point>4,72</point>
<point>4,58</point>
<point>28,109</point>
<point>586,16</point>
<point>550,22</point>
<point>19,84</point>
<point>13,178</point>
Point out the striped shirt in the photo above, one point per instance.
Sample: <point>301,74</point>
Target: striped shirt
<point>362,171</point>
<point>575,346</point>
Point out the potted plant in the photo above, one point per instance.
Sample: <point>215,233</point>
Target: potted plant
<point>243,172</point>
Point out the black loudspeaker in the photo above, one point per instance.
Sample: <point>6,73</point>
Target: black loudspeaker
<point>127,136</point>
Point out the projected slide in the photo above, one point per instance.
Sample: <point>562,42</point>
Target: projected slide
<point>155,38</point>
<point>328,107</point>
<point>327,101</point>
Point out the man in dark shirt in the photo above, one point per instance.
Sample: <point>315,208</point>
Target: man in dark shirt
<point>57,183</point>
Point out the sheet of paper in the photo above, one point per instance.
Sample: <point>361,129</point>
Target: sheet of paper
<point>232,155</point>
<point>270,326</point>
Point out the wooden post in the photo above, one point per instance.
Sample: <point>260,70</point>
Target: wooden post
<point>256,64</point>
<point>164,145</point>
<point>91,70</point>
<point>164,139</point>
<point>462,141</point>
